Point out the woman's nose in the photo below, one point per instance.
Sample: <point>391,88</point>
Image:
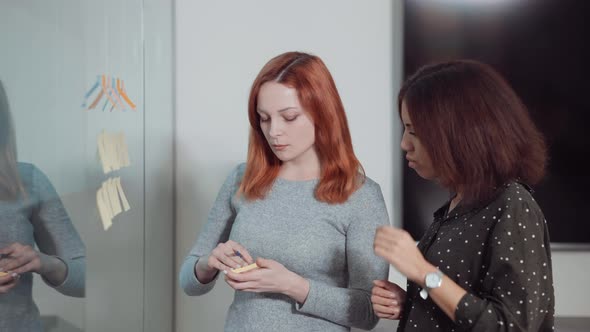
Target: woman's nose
<point>405,144</point>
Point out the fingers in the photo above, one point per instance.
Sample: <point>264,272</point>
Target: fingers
<point>25,268</point>
<point>381,283</point>
<point>229,255</point>
<point>8,278</point>
<point>239,277</point>
<point>264,263</point>
<point>228,260</point>
<point>384,301</point>
<point>241,252</point>
<point>252,275</point>
<point>388,299</point>
<point>6,256</point>
<point>238,285</point>
<point>390,286</point>
<point>387,312</point>
<point>8,282</point>
<point>382,251</point>
<point>222,258</point>
<point>6,251</point>
<point>385,293</point>
<point>389,234</point>
<point>23,260</point>
<point>390,243</point>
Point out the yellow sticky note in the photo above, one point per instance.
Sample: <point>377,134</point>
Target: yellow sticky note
<point>102,153</point>
<point>245,268</point>
<point>125,151</point>
<point>122,195</point>
<point>102,211</point>
<point>113,197</point>
<point>107,202</point>
<point>112,152</point>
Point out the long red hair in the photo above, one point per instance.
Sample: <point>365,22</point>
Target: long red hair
<point>341,172</point>
<point>11,187</point>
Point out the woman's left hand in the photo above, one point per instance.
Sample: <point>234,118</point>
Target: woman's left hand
<point>270,277</point>
<point>400,250</point>
<point>19,259</point>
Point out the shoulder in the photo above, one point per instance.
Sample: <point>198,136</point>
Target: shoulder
<point>29,174</point>
<point>238,172</point>
<point>240,169</point>
<point>234,178</point>
<point>518,204</point>
<point>26,169</point>
<point>35,182</point>
<point>517,195</point>
<point>368,190</point>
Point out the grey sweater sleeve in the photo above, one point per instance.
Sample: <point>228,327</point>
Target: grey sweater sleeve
<point>216,230</point>
<point>55,235</point>
<point>352,306</point>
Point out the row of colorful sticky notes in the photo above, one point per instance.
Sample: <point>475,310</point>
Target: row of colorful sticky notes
<point>109,198</point>
<point>113,91</point>
<point>113,151</point>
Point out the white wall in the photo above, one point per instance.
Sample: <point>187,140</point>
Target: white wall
<point>219,50</point>
<point>571,271</point>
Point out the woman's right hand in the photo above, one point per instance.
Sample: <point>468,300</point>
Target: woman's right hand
<point>8,281</point>
<point>223,258</point>
<point>388,299</point>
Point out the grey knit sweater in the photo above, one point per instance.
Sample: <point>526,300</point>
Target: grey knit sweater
<point>329,245</point>
<point>39,219</point>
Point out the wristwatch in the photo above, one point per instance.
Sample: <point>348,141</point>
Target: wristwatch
<point>432,280</point>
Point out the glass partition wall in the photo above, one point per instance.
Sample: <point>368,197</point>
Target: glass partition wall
<point>73,75</point>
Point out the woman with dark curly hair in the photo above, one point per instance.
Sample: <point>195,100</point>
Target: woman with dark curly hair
<point>484,264</point>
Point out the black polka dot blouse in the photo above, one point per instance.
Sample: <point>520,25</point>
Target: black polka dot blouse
<point>499,253</point>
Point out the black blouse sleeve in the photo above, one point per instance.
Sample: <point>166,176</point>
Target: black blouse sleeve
<point>516,281</point>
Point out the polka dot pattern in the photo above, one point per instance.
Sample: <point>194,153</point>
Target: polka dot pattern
<point>499,253</point>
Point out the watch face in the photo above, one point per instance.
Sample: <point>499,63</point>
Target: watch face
<point>432,280</point>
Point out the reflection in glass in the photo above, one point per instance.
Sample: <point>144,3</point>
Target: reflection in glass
<point>36,236</point>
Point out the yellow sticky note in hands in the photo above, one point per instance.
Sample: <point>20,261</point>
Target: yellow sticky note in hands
<point>245,268</point>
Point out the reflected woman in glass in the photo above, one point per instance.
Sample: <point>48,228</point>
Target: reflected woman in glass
<point>36,236</point>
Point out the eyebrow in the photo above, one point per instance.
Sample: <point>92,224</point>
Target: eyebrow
<point>281,110</point>
<point>408,125</point>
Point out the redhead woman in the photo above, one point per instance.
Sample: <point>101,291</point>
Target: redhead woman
<point>300,208</point>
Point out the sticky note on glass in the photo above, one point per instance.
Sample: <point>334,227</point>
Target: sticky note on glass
<point>111,147</point>
<point>102,153</point>
<point>113,197</point>
<point>113,151</point>
<point>107,202</point>
<point>122,195</point>
<point>245,268</point>
<point>103,210</point>
<point>124,151</point>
